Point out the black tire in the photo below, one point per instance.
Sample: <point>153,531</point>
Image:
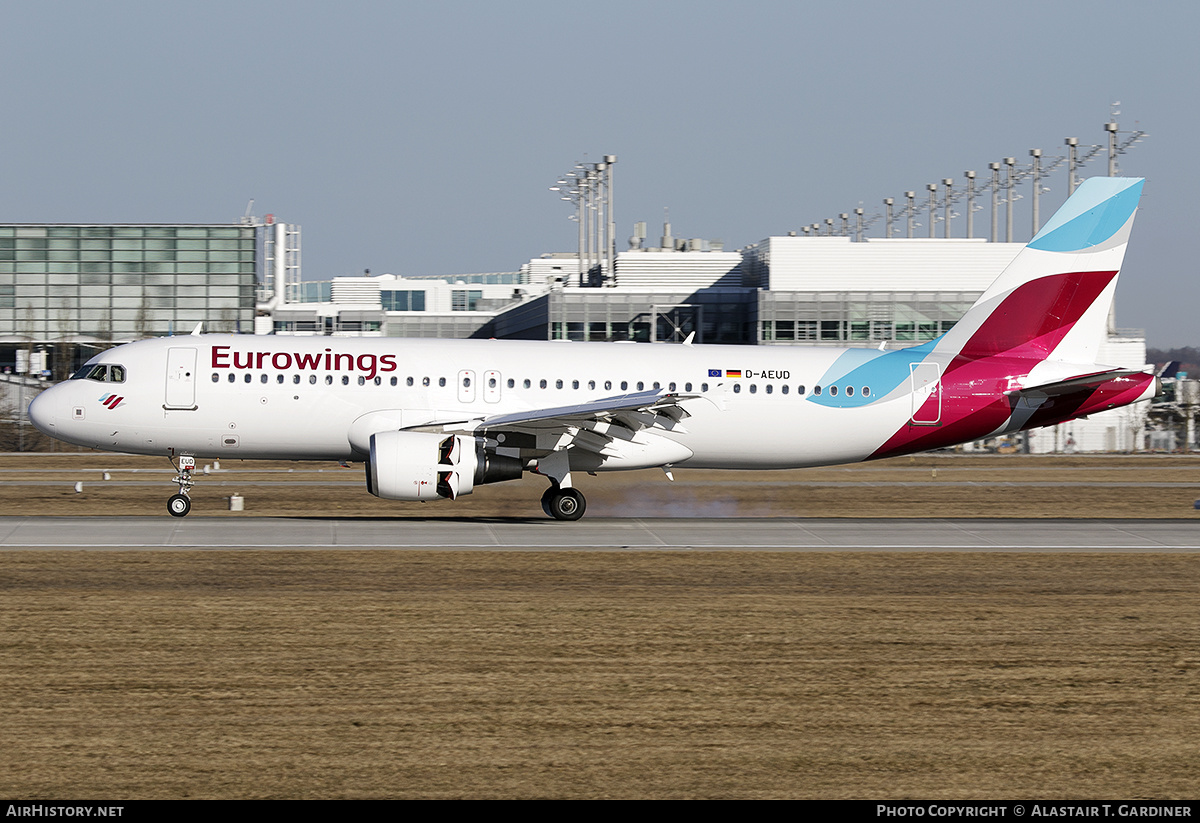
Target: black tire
<point>179,505</point>
<point>566,504</point>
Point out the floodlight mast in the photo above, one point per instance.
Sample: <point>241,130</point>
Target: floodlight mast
<point>970,175</point>
<point>947,182</point>
<point>995,167</point>
<point>589,187</point>
<point>1072,144</point>
<point>1008,212</point>
<point>1036,154</point>
<point>932,187</point>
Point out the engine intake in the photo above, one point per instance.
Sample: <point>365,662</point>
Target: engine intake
<point>425,466</point>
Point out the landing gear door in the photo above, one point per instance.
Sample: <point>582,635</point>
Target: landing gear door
<point>926,394</point>
<point>181,378</point>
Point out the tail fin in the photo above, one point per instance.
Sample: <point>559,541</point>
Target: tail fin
<point>1054,299</point>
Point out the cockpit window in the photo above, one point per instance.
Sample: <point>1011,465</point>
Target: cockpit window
<point>101,373</point>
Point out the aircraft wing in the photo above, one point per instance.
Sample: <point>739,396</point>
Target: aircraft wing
<point>622,408</point>
<point>654,402</point>
<point>610,428</point>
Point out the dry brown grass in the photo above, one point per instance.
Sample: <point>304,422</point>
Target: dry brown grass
<point>437,674</point>
<point>463,674</point>
<point>949,485</point>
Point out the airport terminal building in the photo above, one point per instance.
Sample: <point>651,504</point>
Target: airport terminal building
<point>68,290</point>
<point>86,287</point>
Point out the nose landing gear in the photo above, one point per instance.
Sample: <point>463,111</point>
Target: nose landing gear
<point>180,504</point>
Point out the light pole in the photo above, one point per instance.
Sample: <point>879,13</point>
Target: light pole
<point>1036,154</point>
<point>946,181</point>
<point>932,206</point>
<point>1008,226</point>
<point>1111,128</point>
<point>1072,157</point>
<point>970,175</point>
<point>995,167</point>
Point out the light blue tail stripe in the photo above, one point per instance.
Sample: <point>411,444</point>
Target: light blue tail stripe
<point>1097,211</point>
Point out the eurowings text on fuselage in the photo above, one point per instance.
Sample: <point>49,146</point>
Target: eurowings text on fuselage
<point>433,418</point>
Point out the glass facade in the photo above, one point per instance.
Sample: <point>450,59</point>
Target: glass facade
<point>858,318</point>
<point>120,282</point>
<point>401,300</point>
<point>718,315</point>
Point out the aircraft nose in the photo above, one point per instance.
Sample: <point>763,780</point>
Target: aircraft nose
<point>41,412</point>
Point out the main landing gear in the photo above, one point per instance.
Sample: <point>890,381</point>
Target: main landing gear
<point>180,504</point>
<point>561,501</point>
<point>563,504</point>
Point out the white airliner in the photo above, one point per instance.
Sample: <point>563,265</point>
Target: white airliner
<point>435,418</point>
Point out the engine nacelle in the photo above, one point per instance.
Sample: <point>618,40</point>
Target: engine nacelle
<point>426,466</point>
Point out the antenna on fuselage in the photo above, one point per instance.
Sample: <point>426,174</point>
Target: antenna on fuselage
<point>198,330</point>
<point>688,340</point>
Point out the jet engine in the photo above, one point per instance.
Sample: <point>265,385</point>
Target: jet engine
<point>425,466</point>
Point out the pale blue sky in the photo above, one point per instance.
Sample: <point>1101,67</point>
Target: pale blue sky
<point>422,138</point>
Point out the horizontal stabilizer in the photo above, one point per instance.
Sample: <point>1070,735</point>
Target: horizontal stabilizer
<point>1075,384</point>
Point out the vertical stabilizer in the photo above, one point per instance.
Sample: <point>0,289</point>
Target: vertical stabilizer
<point>1053,301</point>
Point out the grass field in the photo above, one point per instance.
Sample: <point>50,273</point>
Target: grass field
<point>703,674</point>
<point>1134,486</point>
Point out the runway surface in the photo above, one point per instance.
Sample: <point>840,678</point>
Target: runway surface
<point>598,534</point>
